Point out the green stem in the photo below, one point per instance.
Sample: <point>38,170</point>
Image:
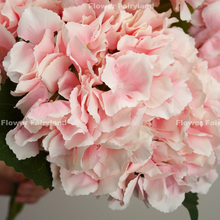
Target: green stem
<point>14,207</point>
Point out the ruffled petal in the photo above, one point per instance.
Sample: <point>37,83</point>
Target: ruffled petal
<point>34,21</point>
<point>77,184</point>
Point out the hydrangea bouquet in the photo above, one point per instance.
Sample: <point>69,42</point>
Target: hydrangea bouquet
<point>115,98</point>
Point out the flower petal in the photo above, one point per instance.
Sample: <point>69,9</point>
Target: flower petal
<point>77,184</point>
<point>34,21</point>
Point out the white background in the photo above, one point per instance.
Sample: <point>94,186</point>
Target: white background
<point>57,206</point>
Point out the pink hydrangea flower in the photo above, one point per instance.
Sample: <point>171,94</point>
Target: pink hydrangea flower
<point>205,29</point>
<point>132,99</point>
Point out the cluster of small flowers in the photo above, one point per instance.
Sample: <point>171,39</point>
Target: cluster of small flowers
<point>125,79</point>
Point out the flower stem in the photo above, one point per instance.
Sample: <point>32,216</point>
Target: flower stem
<point>14,207</point>
<point>54,96</point>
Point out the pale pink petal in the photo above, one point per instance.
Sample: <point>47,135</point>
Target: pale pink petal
<point>117,194</point>
<point>80,140</point>
<point>25,86</point>
<point>76,45</point>
<point>20,60</point>
<point>77,14</point>
<point>205,182</point>
<point>12,18</point>
<point>23,136</point>
<point>211,16</point>
<point>113,39</point>
<point>109,74</point>
<point>160,57</point>
<point>55,109</point>
<point>83,32</point>
<point>150,168</point>
<point>170,202</point>
<point>62,40</point>
<point>200,145</point>
<point>114,158</point>
<point>34,21</point>
<point>7,40</point>
<point>77,184</point>
<point>121,119</point>
<point>68,130</point>
<point>64,161</point>
<point>129,190</point>
<point>174,105</point>
<point>56,147</point>
<point>133,75</point>
<point>93,105</point>
<point>54,71</point>
<point>156,189</point>
<point>127,42</point>
<point>22,152</point>
<point>142,154</point>
<point>161,90</point>
<point>211,49</point>
<point>37,93</point>
<point>46,62</point>
<point>76,111</point>
<point>101,171</point>
<point>107,185</point>
<point>201,36</point>
<point>129,78</point>
<point>185,14</point>
<point>66,83</point>
<point>47,139</point>
<point>55,170</point>
<point>208,164</point>
<point>196,90</point>
<point>139,191</point>
<point>45,47</point>
<point>71,160</point>
<point>116,204</point>
<point>214,72</point>
<point>90,158</point>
